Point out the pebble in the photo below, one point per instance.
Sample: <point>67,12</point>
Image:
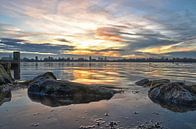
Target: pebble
<point>150,125</point>
<point>136,113</point>
<point>35,124</point>
<point>155,113</point>
<point>87,127</point>
<point>106,114</point>
<point>35,114</point>
<point>135,92</point>
<point>52,110</point>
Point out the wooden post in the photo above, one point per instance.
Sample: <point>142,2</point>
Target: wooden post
<point>16,59</point>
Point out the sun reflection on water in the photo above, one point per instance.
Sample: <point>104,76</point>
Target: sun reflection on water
<point>90,76</point>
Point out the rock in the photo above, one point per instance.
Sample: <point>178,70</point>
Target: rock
<point>106,114</point>
<point>87,127</point>
<point>5,78</point>
<point>159,82</point>
<point>142,82</point>
<point>175,95</point>
<point>150,125</point>
<point>49,91</point>
<point>192,88</point>
<point>136,113</point>
<point>152,83</point>
<point>5,94</point>
<point>39,79</point>
<point>35,124</point>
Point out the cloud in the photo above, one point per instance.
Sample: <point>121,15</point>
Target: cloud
<point>23,45</point>
<point>109,33</point>
<point>97,27</point>
<point>63,40</point>
<point>182,54</point>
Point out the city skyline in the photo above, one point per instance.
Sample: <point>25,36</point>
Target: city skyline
<point>113,28</point>
<point>16,57</point>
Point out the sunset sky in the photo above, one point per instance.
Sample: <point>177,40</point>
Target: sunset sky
<point>113,28</point>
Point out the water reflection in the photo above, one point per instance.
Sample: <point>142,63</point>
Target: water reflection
<point>173,107</point>
<point>110,72</point>
<point>63,101</point>
<point>92,76</point>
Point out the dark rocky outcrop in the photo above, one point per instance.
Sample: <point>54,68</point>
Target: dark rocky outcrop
<point>152,83</point>
<point>5,78</point>
<point>5,85</point>
<point>175,96</point>
<point>41,78</point>
<point>49,91</point>
<point>5,94</point>
<point>176,93</point>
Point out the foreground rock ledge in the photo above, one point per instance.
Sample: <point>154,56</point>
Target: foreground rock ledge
<point>49,91</point>
<point>6,82</point>
<point>176,96</point>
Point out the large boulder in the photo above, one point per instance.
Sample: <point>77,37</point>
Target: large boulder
<point>40,78</point>
<point>5,85</point>
<point>5,78</point>
<point>5,93</point>
<point>174,94</point>
<point>152,83</point>
<point>46,87</point>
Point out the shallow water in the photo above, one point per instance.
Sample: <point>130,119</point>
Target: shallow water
<point>129,108</point>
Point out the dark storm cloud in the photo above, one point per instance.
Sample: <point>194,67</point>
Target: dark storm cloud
<point>23,45</point>
<point>149,42</point>
<point>182,54</point>
<point>104,50</point>
<point>63,40</point>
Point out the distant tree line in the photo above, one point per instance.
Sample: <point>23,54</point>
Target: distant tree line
<point>104,59</point>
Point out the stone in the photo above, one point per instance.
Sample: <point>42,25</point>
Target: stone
<point>49,91</point>
<point>5,78</point>
<point>152,83</point>
<point>142,82</point>
<point>5,85</point>
<point>175,96</point>
<point>159,82</point>
<point>5,94</point>
<point>40,78</point>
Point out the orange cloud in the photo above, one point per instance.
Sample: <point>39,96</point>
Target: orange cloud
<point>109,33</point>
<point>94,53</point>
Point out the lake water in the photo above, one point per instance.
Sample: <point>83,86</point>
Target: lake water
<point>130,108</point>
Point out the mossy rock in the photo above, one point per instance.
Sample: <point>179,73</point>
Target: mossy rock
<point>5,78</point>
<point>152,83</point>
<point>5,94</point>
<point>45,88</point>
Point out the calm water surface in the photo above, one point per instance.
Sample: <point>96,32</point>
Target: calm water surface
<point>22,113</point>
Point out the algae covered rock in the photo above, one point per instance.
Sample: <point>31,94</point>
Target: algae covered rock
<point>40,78</point>
<point>46,87</point>
<point>152,83</point>
<point>5,85</point>
<point>5,93</point>
<point>175,95</point>
<point>5,78</point>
